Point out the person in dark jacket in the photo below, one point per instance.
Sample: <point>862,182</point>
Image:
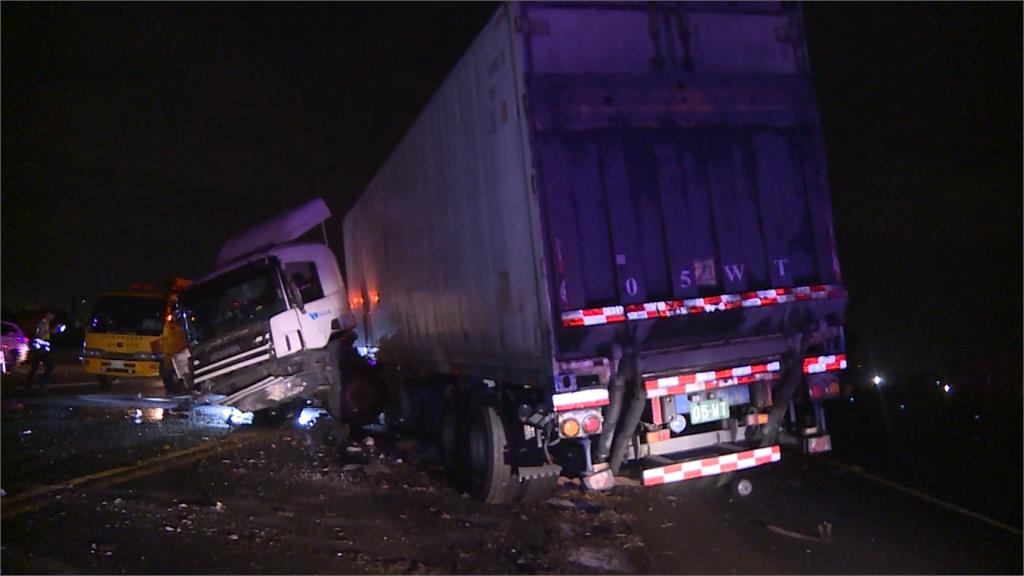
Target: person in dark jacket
<point>39,352</point>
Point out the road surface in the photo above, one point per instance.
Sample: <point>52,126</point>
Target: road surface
<point>116,481</point>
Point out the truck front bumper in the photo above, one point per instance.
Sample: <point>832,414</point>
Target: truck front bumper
<point>273,391</point>
<point>131,368</point>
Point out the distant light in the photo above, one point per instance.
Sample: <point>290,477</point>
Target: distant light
<point>903,406</point>
<point>851,399</point>
<point>977,417</point>
<point>947,388</point>
<point>877,380</point>
<point>61,328</point>
<point>938,383</point>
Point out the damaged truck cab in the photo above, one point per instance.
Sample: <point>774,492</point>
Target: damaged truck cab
<point>268,325</point>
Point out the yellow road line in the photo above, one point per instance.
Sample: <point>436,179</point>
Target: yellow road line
<point>927,497</point>
<point>120,474</point>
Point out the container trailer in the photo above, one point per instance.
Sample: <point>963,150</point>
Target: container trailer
<point>607,240</point>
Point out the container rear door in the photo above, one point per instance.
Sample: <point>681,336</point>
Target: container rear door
<point>678,152</point>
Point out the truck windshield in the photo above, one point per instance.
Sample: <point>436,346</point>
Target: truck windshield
<point>142,315</point>
<point>248,294</point>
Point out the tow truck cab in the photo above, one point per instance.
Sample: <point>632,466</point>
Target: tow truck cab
<point>132,333</point>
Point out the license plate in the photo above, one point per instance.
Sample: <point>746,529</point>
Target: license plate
<point>116,364</point>
<point>708,411</point>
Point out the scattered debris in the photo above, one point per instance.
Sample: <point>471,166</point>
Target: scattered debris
<point>603,559</point>
<point>824,533</point>
<point>560,503</point>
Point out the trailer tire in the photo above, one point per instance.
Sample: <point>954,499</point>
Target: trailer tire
<point>451,440</point>
<point>490,476</point>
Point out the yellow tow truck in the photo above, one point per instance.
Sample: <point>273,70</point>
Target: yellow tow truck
<point>133,334</point>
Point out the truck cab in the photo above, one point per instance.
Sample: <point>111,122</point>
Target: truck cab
<point>268,325</point>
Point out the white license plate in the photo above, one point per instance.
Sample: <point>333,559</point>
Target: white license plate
<point>708,411</point>
<point>116,364</point>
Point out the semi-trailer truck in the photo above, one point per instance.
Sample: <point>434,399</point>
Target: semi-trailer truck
<point>607,239</point>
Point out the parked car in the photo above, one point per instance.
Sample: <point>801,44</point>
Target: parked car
<point>14,346</point>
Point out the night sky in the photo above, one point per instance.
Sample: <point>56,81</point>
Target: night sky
<point>138,137</point>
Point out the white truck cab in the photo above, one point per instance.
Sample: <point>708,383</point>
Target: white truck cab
<point>268,325</point>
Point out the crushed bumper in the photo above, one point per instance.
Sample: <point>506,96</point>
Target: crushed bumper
<point>272,391</point>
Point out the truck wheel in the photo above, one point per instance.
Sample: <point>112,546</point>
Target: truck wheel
<point>335,378</point>
<point>490,477</point>
<point>105,382</point>
<point>172,383</point>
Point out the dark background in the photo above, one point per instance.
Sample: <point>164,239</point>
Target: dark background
<point>136,138</point>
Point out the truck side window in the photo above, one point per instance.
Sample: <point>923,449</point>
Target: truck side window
<point>304,275</point>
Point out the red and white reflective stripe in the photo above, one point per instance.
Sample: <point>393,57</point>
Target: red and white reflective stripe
<point>656,416</point>
<point>824,363</point>
<point>668,308</point>
<point>591,398</point>
<point>711,466</point>
<point>696,382</point>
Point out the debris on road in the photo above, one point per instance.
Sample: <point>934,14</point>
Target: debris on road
<point>602,559</point>
<point>560,503</point>
<point>824,533</point>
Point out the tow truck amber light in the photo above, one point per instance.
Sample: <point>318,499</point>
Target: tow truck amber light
<point>570,428</point>
<point>591,424</point>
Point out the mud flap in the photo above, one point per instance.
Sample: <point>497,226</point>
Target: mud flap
<point>537,482</point>
<point>602,478</point>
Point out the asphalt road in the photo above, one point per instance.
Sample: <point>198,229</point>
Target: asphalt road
<point>115,481</point>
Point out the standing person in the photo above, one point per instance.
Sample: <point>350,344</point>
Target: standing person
<point>40,351</point>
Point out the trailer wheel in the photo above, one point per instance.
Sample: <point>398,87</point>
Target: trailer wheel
<point>451,440</point>
<point>490,476</point>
